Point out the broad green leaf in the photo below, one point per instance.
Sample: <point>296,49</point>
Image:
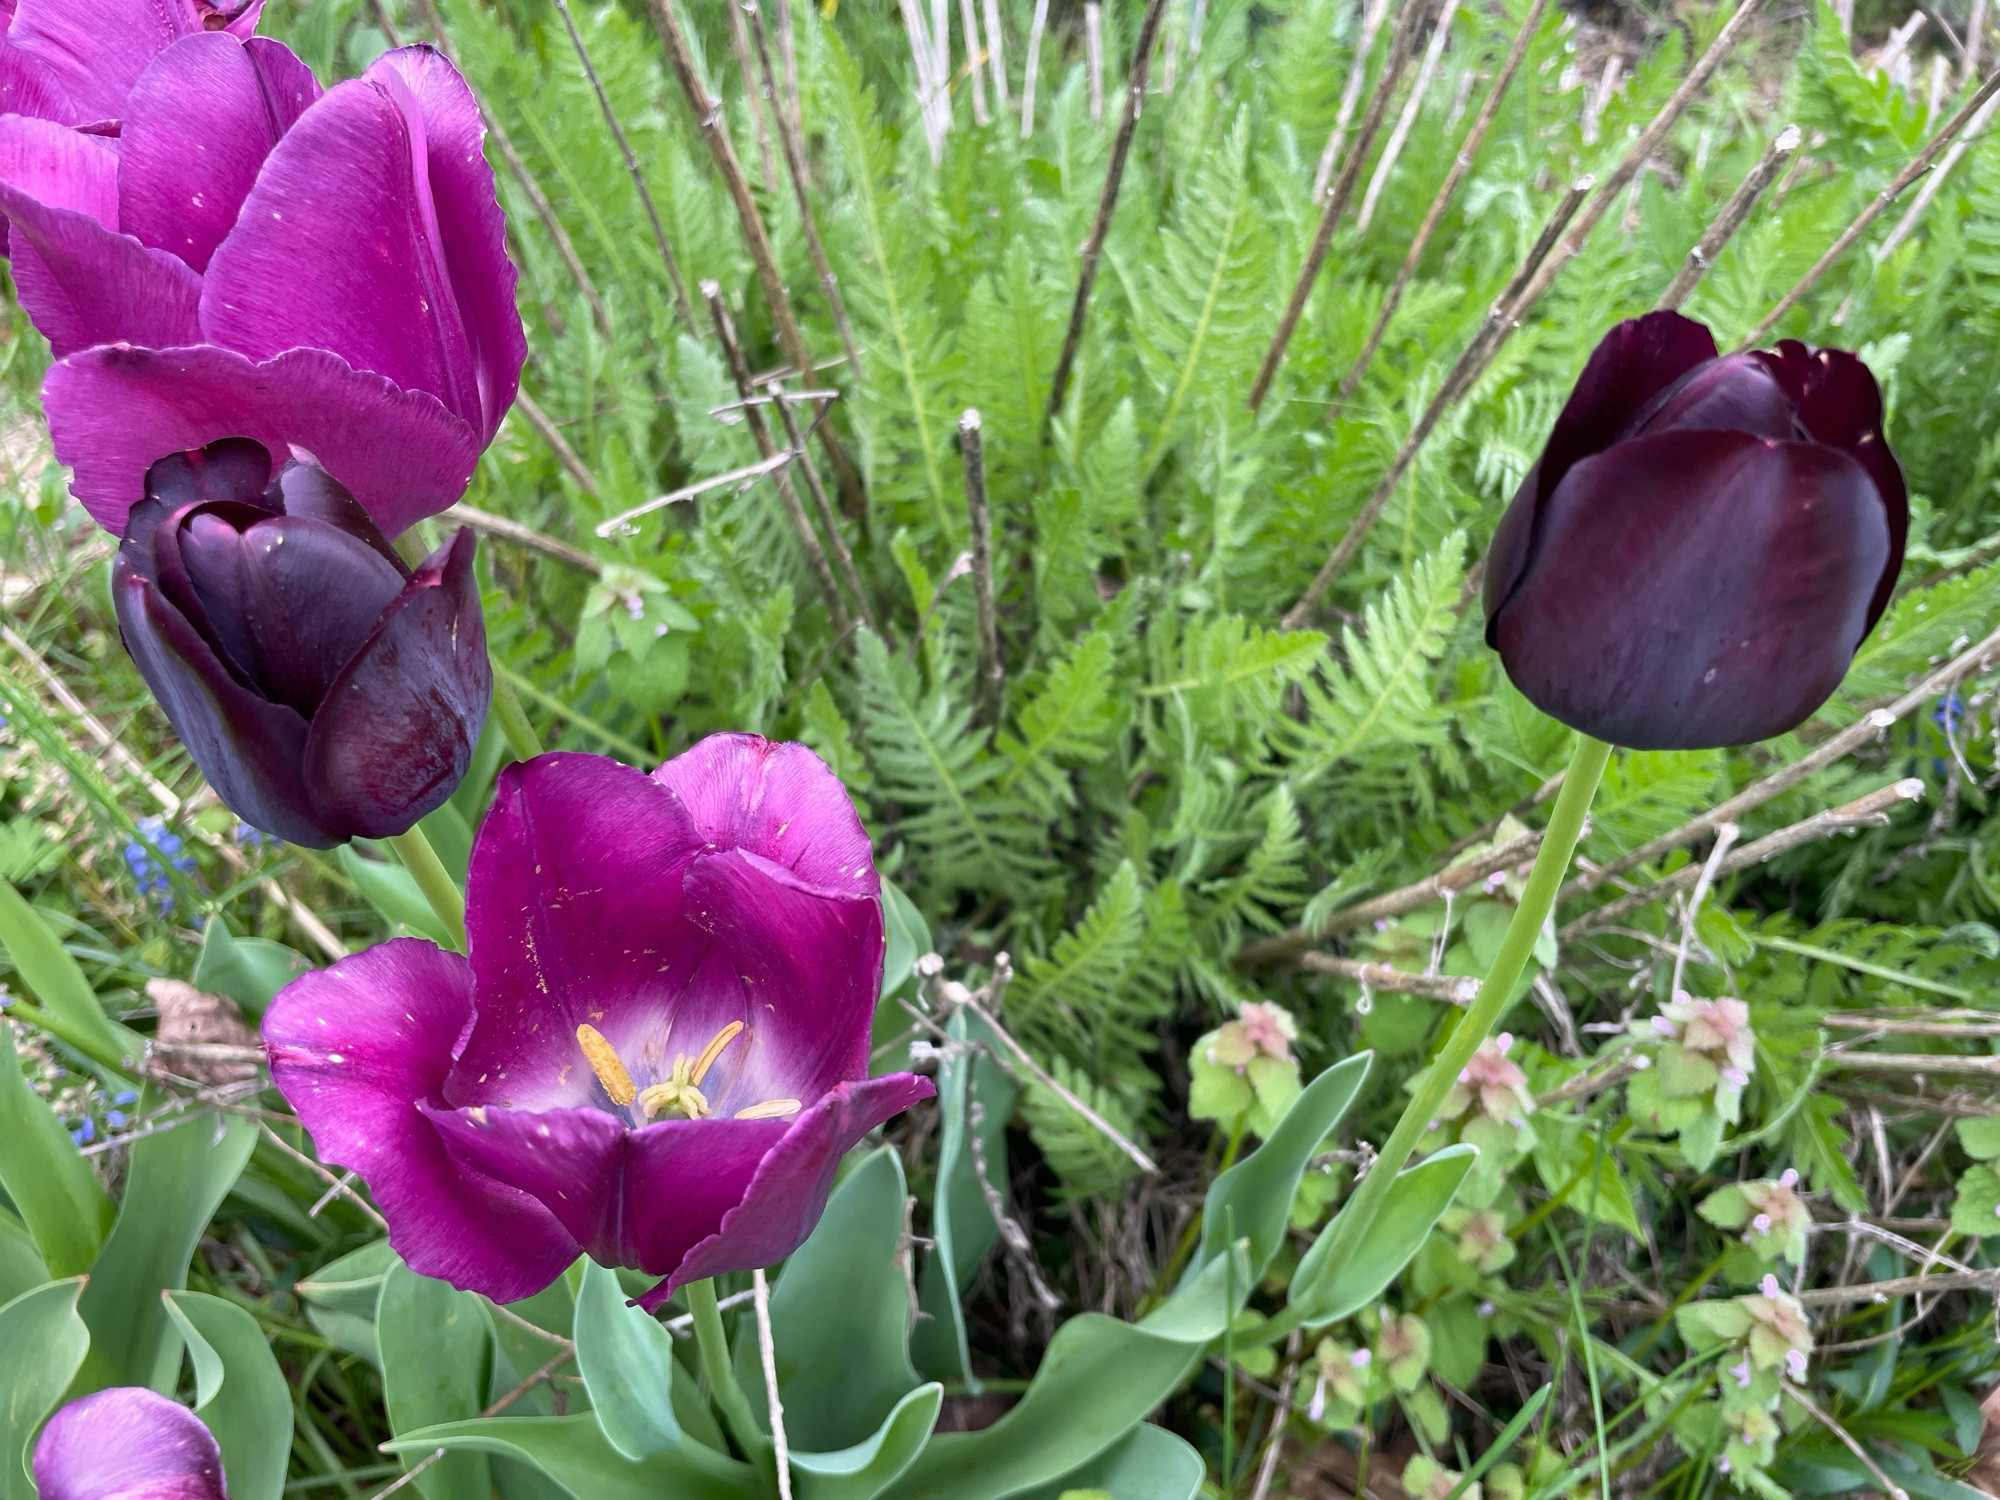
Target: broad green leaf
<point>1980,1138</point>
<point>962,1223</point>
<point>1151,1464</point>
<point>1100,1378</point>
<point>909,936</point>
<point>870,1467</point>
<point>342,1297</point>
<point>1976,1209</point>
<point>840,1317</point>
<point>393,892</point>
<point>573,1452</point>
<point>435,1342</point>
<point>42,1342</point>
<point>22,1268</point>
<point>1253,1199</point>
<point>1321,1293</point>
<point>626,1358</point>
<point>1706,1324</point>
<point>239,1392</point>
<point>61,1202</point>
<point>249,970</point>
<point>177,1180</point>
<point>58,984</point>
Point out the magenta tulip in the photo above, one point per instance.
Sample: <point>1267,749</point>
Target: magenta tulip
<point>252,258</point>
<point>1704,542</point>
<point>657,1053</point>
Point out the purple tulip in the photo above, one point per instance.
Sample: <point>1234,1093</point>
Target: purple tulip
<point>326,690</point>
<point>127,1443</point>
<point>658,1051</point>
<point>253,258</point>
<point>74,61</point>
<point>1704,542</point>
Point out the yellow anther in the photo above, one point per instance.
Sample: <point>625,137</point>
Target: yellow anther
<point>604,1063</point>
<point>770,1109</point>
<point>713,1050</point>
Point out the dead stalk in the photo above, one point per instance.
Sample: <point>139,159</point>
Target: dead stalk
<point>1373,12</point>
<point>507,529</point>
<point>1427,72</point>
<point>1093,47</point>
<point>767,1356</point>
<point>821,503</point>
<point>1936,180</point>
<point>1918,165</point>
<point>708,115</point>
<point>1458,991</point>
<point>992,673</point>
<point>996,57</point>
<point>546,429</point>
<point>1107,202</point>
<point>1036,28</point>
<point>753,101</point>
<point>1461,168</point>
<point>1730,219</point>
<point>1400,43</point>
<point>968,21</point>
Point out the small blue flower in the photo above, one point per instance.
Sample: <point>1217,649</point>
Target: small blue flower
<point>115,1118</point>
<point>125,1096</point>
<point>85,1133</point>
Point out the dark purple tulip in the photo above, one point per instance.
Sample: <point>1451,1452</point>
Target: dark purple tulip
<point>326,690</point>
<point>127,1443</point>
<point>253,258</point>
<point>658,1051</point>
<point>1704,542</point>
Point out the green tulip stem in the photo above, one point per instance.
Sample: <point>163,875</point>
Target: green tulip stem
<point>1586,768</point>
<point>433,879</point>
<point>512,718</point>
<point>720,1371</point>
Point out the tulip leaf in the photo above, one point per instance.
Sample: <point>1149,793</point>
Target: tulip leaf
<point>1100,1378</point>
<point>840,1316</point>
<point>1151,1464</point>
<point>22,1268</point>
<point>342,1297</point>
<point>240,1392</point>
<point>1255,1195</point>
<point>626,1358</point>
<point>908,936</point>
<point>574,1453</point>
<point>249,970</point>
<point>74,1016</point>
<point>393,892</point>
<point>519,1350</point>
<point>435,1343</point>
<point>962,1222</point>
<point>177,1179</point>
<point>61,1202</point>
<point>42,1342</point>
<point>868,1468</point>
<point>1321,1293</point>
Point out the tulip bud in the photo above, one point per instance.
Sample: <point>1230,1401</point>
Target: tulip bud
<point>326,689</point>
<point>1704,542</point>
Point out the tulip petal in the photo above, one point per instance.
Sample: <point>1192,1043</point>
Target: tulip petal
<point>799,969</point>
<point>786,1195</point>
<point>249,749</point>
<point>1695,589</point>
<point>470,224</point>
<point>778,801</point>
<point>97,49</point>
<point>338,248</point>
<point>198,125</point>
<point>394,735</point>
<point>127,1443</point>
<point>114,411</point>
<point>1840,404</point>
<point>357,1048</point>
<point>28,86</point>
<point>1632,365</point>
<point>574,908</point>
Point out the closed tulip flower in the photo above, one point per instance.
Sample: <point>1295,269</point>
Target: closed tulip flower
<point>325,689</point>
<point>657,1050</point>
<point>127,1443</point>
<point>254,258</point>
<point>1704,542</point>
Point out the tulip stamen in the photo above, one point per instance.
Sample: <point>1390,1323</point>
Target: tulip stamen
<point>770,1109</point>
<point>680,1093</point>
<point>603,1060</point>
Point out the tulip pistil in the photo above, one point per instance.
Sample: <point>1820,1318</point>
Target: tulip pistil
<point>603,1060</point>
<point>681,1093</point>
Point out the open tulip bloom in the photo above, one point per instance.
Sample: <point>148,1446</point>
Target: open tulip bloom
<point>657,1052</point>
<point>1704,542</point>
<point>326,689</point>
<point>254,258</point>
<point>127,1443</point>
<point>75,61</point>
